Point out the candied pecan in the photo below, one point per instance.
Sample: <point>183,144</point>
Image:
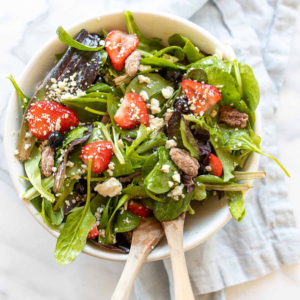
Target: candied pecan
<point>121,79</point>
<point>47,161</point>
<point>232,117</point>
<point>184,161</point>
<point>132,63</point>
<point>105,119</point>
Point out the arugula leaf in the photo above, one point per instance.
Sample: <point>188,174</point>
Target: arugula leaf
<point>145,44</point>
<point>159,140</point>
<point>141,136</point>
<point>157,181</point>
<point>236,205</point>
<point>72,238</point>
<point>188,139</point>
<point>161,63</point>
<point>170,209</point>
<point>57,228</point>
<point>65,38</point>
<point>126,221</point>
<point>34,174</point>
<point>251,93</point>
<point>24,99</point>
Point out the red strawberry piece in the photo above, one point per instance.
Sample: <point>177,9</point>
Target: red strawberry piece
<point>47,116</point>
<point>216,165</point>
<point>119,45</point>
<point>93,232</point>
<point>136,207</point>
<point>201,96</point>
<point>100,153</point>
<point>132,112</point>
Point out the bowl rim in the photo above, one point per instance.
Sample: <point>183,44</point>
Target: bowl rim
<point>99,252</point>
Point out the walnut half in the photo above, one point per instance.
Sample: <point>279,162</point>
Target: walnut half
<point>232,117</point>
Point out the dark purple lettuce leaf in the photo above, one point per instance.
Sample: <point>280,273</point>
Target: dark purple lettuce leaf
<point>130,177</point>
<point>174,132</point>
<point>72,61</point>
<point>189,183</point>
<point>202,137</point>
<point>59,176</point>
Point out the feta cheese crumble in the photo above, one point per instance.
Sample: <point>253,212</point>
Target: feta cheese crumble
<point>155,109</point>
<point>143,79</point>
<point>144,95</point>
<point>111,187</point>
<point>167,92</point>
<point>176,177</point>
<point>170,144</point>
<point>165,169</point>
<point>176,192</point>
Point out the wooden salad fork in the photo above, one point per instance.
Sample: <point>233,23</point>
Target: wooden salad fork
<point>174,233</point>
<point>145,237</point>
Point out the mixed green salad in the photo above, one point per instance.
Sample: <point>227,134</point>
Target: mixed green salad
<point>124,127</point>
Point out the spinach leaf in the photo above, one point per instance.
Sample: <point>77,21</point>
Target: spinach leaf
<point>105,215</point>
<point>96,95</point>
<point>98,201</point>
<point>191,52</point>
<point>149,203</point>
<point>79,105</point>
<point>141,136</point>
<point>145,44</point>
<point>65,38</point>
<point>74,157</point>
<point>236,205</point>
<point>135,192</point>
<point>159,140</point>
<point>24,99</point>
<point>209,179</point>
<point>200,191</point>
<point>161,63</point>
<point>56,217</point>
<point>170,209</point>
<point>251,93</point>
<point>120,170</point>
<point>72,238</point>
<point>188,139</point>
<point>101,88</point>
<point>126,221</point>
<point>177,40</point>
<point>37,202</point>
<point>34,173</point>
<point>157,181</point>
<point>32,192</point>
<point>197,74</point>
<point>57,228</point>
<point>173,50</point>
<point>74,134</point>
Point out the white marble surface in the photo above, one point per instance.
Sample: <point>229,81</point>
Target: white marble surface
<point>27,266</point>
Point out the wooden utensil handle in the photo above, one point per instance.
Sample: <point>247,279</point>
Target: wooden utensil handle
<point>134,262</point>
<point>174,234</point>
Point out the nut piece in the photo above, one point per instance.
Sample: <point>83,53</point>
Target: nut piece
<point>232,117</point>
<point>47,162</point>
<point>121,79</point>
<point>132,63</point>
<point>184,161</point>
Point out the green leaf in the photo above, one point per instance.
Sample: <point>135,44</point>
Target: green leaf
<point>101,88</point>
<point>161,63</point>
<point>72,238</point>
<point>65,38</point>
<point>236,205</point>
<point>105,215</point>
<point>98,201</point>
<point>32,192</point>
<point>200,191</point>
<point>37,202</point>
<point>56,217</point>
<point>173,50</point>
<point>209,179</point>
<point>65,191</point>
<point>150,164</point>
<point>157,181</point>
<point>135,192</point>
<point>197,74</point>
<point>120,170</point>
<point>74,134</point>
<point>145,44</point>
<point>24,99</point>
<point>177,40</point>
<point>188,139</point>
<point>126,221</point>
<point>251,93</point>
<point>149,203</point>
<point>170,209</point>
<point>141,136</point>
<point>79,105</point>
<point>191,52</point>
<point>34,174</point>
<point>57,228</point>
<point>159,140</point>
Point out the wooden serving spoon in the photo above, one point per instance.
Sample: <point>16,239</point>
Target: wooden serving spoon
<point>145,237</point>
<point>174,233</point>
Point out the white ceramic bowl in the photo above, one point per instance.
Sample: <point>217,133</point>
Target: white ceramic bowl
<point>209,218</point>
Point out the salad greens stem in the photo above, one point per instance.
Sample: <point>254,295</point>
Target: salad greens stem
<point>97,112</point>
<point>153,196</point>
<point>25,178</point>
<point>96,179</point>
<point>233,187</point>
<point>32,192</point>
<point>248,175</point>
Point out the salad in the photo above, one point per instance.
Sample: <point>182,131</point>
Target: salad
<point>124,127</point>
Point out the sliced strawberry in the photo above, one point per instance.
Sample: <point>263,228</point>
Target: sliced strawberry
<point>93,232</point>
<point>47,116</point>
<point>100,153</point>
<point>216,165</point>
<point>201,96</point>
<point>136,207</point>
<point>119,45</point>
<point>132,112</point>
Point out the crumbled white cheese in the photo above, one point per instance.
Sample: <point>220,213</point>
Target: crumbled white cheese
<point>208,168</point>
<point>155,109</point>
<point>111,187</point>
<point>240,144</point>
<point>53,80</point>
<point>54,169</point>
<point>170,58</point>
<point>176,177</point>
<point>27,146</point>
<point>143,78</point>
<point>70,164</point>
<point>16,152</point>
<point>102,43</point>
<point>167,92</point>
<point>28,135</point>
<point>214,113</point>
<point>111,165</point>
<point>156,123</point>
<point>176,192</point>
<point>218,53</point>
<point>144,95</point>
<point>110,172</point>
<point>80,93</point>
<point>165,168</point>
<point>170,144</point>
<point>13,132</point>
<point>170,184</point>
<point>144,68</point>
<point>62,85</point>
